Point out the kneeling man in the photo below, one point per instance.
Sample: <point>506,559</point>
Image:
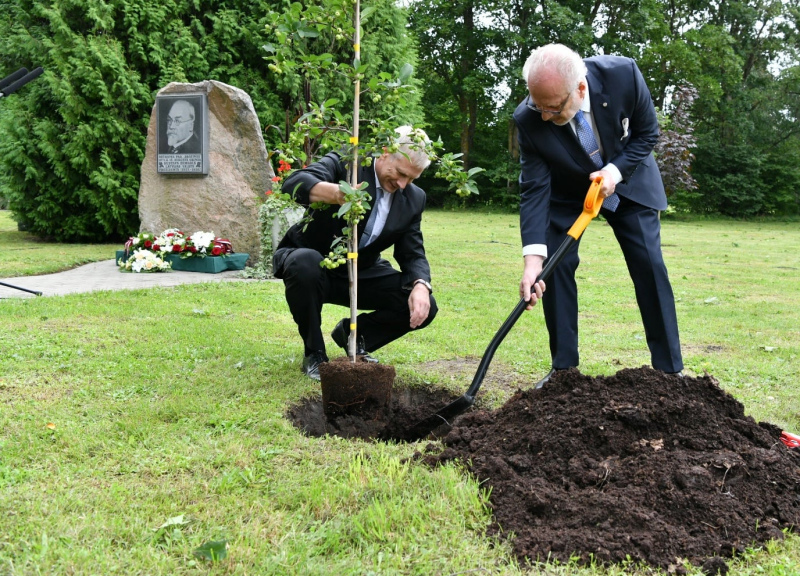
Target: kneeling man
<point>398,301</point>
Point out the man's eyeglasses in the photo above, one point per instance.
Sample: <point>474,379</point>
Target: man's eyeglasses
<point>177,121</point>
<point>535,108</point>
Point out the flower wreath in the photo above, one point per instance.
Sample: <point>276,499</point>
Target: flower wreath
<point>148,252</point>
<point>173,241</point>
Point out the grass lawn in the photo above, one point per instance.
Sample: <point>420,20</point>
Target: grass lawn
<point>137,426</point>
<point>22,254</point>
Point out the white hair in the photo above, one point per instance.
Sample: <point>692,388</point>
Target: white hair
<point>565,61</point>
<point>413,144</point>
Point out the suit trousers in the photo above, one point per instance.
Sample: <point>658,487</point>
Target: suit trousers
<point>638,232</point>
<point>309,286</point>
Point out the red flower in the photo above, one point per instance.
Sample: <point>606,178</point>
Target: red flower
<point>276,178</point>
<point>284,166</point>
<point>216,251</point>
<point>147,243</point>
<point>176,247</point>
<point>156,248</point>
<point>192,249</point>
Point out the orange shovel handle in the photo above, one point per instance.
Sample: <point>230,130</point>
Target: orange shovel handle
<point>591,208</point>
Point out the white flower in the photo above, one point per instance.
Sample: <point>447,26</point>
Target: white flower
<point>144,261</point>
<point>169,237</point>
<point>202,240</point>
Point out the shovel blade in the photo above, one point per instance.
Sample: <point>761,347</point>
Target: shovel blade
<point>444,416</point>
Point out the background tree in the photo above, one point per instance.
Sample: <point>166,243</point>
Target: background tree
<point>742,57</point>
<point>673,151</point>
<point>73,142</point>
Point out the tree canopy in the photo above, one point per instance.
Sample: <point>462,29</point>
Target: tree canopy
<point>73,140</point>
<point>740,56</point>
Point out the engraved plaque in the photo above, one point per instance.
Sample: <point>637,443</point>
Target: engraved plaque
<point>182,123</point>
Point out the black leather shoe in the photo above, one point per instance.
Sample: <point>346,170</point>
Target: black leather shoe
<point>546,379</point>
<point>340,335</point>
<point>311,364</point>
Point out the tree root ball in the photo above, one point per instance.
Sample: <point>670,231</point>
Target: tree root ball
<point>356,388</point>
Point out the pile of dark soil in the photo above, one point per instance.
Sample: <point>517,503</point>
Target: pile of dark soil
<point>638,465</point>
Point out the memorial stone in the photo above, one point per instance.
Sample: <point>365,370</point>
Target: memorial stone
<point>226,200</point>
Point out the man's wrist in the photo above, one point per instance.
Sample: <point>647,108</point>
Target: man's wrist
<point>535,250</point>
<point>424,283</point>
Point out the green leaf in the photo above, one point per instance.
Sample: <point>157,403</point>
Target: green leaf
<point>212,551</point>
<point>405,72</point>
<point>366,12</point>
<point>181,520</point>
<point>344,209</point>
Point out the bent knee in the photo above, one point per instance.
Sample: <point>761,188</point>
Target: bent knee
<point>303,264</point>
<point>431,314</point>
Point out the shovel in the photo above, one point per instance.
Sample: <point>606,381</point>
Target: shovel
<point>591,207</point>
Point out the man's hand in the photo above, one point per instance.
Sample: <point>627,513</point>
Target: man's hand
<point>608,186</point>
<point>419,302</point>
<point>326,192</point>
<point>533,267</point>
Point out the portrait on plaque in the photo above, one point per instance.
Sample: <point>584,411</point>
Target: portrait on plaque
<point>182,123</point>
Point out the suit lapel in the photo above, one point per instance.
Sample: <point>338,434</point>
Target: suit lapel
<point>398,207</point>
<point>570,141</point>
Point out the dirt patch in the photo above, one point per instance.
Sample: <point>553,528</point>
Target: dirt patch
<point>408,406</point>
<point>638,465</point>
<point>499,380</point>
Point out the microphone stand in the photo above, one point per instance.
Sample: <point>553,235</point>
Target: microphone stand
<point>21,288</point>
<point>8,86</point>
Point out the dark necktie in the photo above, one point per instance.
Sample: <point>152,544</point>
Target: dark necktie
<point>589,143</point>
<point>371,221</point>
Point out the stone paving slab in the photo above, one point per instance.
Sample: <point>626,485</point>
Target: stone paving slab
<point>105,275</point>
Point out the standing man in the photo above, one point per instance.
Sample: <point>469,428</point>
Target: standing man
<point>584,119</point>
<point>400,301</point>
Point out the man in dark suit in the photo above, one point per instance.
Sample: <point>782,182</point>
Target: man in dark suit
<point>400,301</point>
<point>584,119</point>
<point>181,137</point>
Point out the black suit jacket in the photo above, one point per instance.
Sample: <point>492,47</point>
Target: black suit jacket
<point>402,229</point>
<point>555,168</point>
<point>191,146</point>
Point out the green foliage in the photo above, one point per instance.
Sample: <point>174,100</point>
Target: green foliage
<point>311,59</point>
<point>74,139</point>
<point>311,50</point>
<point>742,57</point>
<point>729,180</point>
